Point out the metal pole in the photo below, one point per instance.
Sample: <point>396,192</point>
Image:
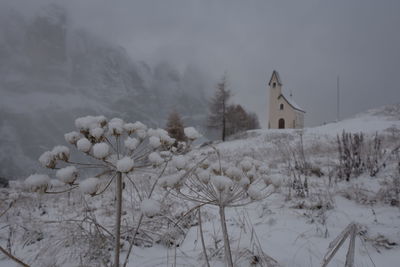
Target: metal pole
<point>338,99</point>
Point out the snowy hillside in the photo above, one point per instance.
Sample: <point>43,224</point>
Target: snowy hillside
<point>309,202</point>
<point>51,73</point>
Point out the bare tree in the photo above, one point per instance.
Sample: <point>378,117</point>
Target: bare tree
<point>218,108</point>
<point>239,120</point>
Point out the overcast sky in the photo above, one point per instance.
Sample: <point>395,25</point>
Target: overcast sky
<point>308,42</point>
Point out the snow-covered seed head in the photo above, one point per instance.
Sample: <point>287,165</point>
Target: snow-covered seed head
<point>172,181</point>
<point>150,207</point>
<point>84,145</point>
<point>244,181</point>
<point>84,124</point>
<point>90,186</point>
<point>205,164</point>
<point>246,165</point>
<point>134,127</point>
<point>263,169</point>
<point>155,158</point>
<point>267,180</point>
<point>97,134</point>
<point>48,160</point>
<point>125,164</point>
<point>179,162</point>
<point>191,133</point>
<point>72,137</point>
<point>221,183</point>
<point>131,143</point>
<point>67,175</point>
<point>116,126</point>
<point>141,134</point>
<point>234,173</point>
<point>61,153</point>
<point>251,174</point>
<point>38,182</point>
<point>154,142</point>
<point>101,150</point>
<point>254,192</point>
<point>204,176</point>
<point>216,168</point>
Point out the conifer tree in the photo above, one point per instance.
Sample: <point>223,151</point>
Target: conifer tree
<point>218,108</point>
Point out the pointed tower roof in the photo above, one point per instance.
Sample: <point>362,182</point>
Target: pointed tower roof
<point>276,75</point>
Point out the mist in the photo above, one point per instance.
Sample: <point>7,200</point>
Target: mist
<point>308,43</point>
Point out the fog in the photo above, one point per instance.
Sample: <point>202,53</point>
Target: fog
<point>309,43</point>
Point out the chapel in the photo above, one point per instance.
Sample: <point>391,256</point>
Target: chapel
<point>284,113</point>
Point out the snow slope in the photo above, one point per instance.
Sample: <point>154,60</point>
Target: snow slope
<point>293,230</point>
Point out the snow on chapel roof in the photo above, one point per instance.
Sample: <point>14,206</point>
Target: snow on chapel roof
<point>292,103</point>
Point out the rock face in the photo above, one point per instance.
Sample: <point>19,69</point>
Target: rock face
<point>51,73</point>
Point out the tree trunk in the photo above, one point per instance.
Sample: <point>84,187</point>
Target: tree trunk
<point>228,254</point>
<point>118,192</point>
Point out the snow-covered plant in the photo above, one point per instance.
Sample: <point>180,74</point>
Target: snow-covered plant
<point>114,150</point>
<point>215,182</point>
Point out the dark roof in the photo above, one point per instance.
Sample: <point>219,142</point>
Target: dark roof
<point>277,78</point>
<point>292,103</point>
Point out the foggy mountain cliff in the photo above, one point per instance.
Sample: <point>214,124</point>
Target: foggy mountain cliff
<point>51,73</point>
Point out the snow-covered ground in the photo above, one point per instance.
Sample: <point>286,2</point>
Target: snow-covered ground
<point>75,230</point>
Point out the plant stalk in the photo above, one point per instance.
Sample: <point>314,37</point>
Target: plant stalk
<point>227,247</point>
<point>118,193</point>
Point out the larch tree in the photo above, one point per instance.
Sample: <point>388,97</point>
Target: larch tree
<point>217,117</point>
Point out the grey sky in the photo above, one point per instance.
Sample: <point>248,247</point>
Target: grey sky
<point>309,42</point>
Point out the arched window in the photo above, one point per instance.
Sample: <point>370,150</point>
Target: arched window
<point>281,124</point>
<point>281,107</point>
<point>273,85</point>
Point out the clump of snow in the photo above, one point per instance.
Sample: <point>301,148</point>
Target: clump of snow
<point>84,145</point>
<point>54,183</point>
<point>191,133</point>
<point>255,192</point>
<point>116,126</point>
<point>154,142</point>
<point>234,173</point>
<point>221,182</point>
<point>155,158</point>
<point>173,180</point>
<point>67,175</point>
<point>134,127</point>
<point>131,143</point>
<point>141,134</point>
<point>125,164</point>
<point>204,176</point>
<point>101,150</point>
<point>86,123</point>
<point>90,186</point>
<point>97,133</point>
<point>61,152</point>
<point>150,207</point>
<point>162,134</point>
<point>246,164</point>
<point>72,137</point>
<point>244,181</point>
<point>37,182</point>
<point>48,159</point>
<point>179,162</point>
<point>216,168</point>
